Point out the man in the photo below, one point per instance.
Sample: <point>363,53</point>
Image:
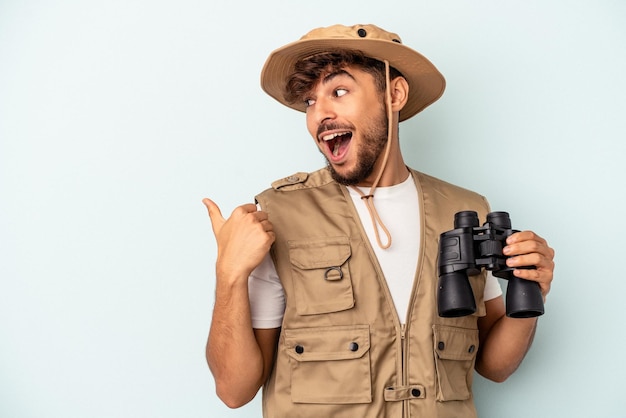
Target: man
<point>326,290</point>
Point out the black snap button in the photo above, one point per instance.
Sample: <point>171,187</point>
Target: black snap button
<point>416,393</point>
<point>441,345</point>
<point>299,349</point>
<point>354,346</point>
<point>362,33</point>
<point>471,349</point>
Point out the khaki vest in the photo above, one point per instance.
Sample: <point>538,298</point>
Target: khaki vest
<point>342,350</point>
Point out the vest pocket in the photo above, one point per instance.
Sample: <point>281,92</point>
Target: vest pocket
<point>455,355</point>
<point>329,364</point>
<point>321,275</point>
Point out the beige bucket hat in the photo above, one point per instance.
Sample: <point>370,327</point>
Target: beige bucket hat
<point>426,83</point>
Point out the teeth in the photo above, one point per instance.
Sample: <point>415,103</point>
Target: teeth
<point>331,136</point>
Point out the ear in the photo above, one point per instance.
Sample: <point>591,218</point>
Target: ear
<point>399,93</point>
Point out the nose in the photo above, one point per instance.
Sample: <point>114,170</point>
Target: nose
<point>322,111</point>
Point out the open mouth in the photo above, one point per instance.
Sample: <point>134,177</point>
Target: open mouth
<point>337,142</point>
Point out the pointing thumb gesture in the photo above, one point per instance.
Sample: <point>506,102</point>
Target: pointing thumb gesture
<point>242,240</point>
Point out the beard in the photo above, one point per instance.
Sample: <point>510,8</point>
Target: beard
<point>374,141</point>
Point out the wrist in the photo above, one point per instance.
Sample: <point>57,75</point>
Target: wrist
<point>230,276</point>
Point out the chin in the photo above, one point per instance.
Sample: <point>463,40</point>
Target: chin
<point>349,177</point>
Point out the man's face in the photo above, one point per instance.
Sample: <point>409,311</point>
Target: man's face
<point>346,116</point>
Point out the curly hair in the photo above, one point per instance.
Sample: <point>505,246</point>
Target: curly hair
<point>308,71</point>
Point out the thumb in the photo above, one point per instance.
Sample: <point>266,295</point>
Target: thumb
<point>215,214</point>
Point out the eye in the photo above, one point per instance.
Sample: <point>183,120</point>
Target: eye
<point>309,102</point>
<point>340,92</point>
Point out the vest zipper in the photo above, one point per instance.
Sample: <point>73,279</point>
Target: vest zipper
<point>404,353</point>
<point>405,405</point>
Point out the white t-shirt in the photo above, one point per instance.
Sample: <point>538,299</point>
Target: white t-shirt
<point>397,206</point>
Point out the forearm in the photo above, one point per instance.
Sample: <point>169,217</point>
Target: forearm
<point>233,353</point>
<point>504,348</point>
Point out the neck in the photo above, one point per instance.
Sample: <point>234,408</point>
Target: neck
<point>395,173</point>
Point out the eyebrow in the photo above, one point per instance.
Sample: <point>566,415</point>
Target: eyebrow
<point>337,73</point>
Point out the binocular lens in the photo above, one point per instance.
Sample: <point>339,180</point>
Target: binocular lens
<point>455,297</point>
<point>523,299</point>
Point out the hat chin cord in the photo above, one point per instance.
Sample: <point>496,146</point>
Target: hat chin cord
<point>368,199</point>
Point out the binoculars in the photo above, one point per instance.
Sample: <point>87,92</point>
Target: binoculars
<point>465,250</point>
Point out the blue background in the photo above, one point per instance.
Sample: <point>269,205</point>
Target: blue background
<point>118,117</point>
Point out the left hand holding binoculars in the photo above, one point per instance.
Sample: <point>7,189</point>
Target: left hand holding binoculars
<point>526,248</point>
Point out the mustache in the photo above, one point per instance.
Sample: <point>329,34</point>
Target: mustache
<point>331,126</point>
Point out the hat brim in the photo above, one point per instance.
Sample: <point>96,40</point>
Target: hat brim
<point>426,83</point>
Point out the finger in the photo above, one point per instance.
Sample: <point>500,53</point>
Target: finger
<point>525,243</point>
<point>261,216</point>
<point>215,214</point>
<point>525,236</point>
<point>267,225</point>
<point>250,209</point>
<point>538,260</point>
<point>247,208</point>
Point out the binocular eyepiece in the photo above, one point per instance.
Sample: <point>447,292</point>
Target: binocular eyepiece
<point>468,248</point>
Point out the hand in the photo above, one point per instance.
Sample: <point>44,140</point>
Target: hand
<point>528,249</point>
<point>242,240</point>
